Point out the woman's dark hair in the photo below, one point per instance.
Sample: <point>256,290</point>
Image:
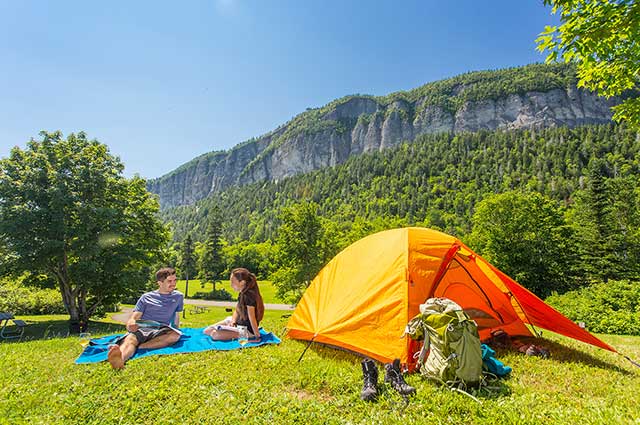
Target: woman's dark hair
<point>250,288</point>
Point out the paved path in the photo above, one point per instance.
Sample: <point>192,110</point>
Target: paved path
<point>233,304</point>
<point>126,311</point>
<point>124,316</point>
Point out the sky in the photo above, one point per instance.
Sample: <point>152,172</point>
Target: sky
<point>161,82</point>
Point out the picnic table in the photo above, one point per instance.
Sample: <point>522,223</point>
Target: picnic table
<point>8,330</point>
<point>197,309</point>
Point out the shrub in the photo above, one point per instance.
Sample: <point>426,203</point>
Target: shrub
<point>24,300</point>
<point>612,307</point>
<point>217,294</point>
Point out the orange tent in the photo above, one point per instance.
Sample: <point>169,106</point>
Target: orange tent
<point>363,298</point>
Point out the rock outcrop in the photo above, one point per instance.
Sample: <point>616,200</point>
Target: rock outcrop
<point>359,124</point>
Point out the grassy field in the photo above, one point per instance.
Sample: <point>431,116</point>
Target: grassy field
<point>267,290</point>
<point>40,384</point>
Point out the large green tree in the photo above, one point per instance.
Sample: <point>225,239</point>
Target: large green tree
<point>67,212</point>
<point>524,235</point>
<point>257,257</point>
<point>603,38</point>
<point>302,248</point>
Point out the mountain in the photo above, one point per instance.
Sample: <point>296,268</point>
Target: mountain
<point>435,181</point>
<point>529,97</point>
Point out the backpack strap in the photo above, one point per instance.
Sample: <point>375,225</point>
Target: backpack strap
<point>425,346</point>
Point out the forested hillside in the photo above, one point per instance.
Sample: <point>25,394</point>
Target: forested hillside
<point>557,209</point>
<point>435,181</point>
<point>533,96</point>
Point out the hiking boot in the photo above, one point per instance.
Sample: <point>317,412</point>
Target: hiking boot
<point>370,377</point>
<point>394,377</point>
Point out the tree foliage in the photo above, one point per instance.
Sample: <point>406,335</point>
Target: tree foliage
<point>435,181</point>
<point>257,257</point>
<point>21,299</point>
<point>606,223</point>
<point>211,264</point>
<point>67,212</point>
<point>603,38</point>
<point>438,181</point>
<point>524,235</point>
<point>302,250</point>
<point>611,308</point>
<point>187,258</point>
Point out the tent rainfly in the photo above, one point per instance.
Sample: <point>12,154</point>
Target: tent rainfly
<point>363,298</point>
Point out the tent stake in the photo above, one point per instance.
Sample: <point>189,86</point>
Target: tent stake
<point>306,348</point>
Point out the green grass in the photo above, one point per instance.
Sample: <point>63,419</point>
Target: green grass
<point>40,384</point>
<point>267,289</point>
<point>268,292</point>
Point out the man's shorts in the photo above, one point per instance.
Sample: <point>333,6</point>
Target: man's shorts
<point>145,334</point>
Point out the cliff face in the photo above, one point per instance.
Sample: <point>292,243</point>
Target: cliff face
<point>363,124</point>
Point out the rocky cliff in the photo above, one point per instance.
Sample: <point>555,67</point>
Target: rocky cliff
<point>356,124</point>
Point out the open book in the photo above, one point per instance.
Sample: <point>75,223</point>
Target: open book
<point>153,324</point>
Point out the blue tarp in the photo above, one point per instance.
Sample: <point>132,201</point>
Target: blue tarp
<point>191,341</point>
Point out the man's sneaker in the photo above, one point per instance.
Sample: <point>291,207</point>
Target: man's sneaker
<point>393,376</point>
<point>370,377</point>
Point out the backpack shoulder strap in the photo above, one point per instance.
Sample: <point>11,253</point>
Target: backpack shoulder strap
<point>425,347</point>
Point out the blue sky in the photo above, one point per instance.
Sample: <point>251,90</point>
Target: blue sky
<point>161,82</point>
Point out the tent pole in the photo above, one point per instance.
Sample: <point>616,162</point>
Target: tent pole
<point>306,348</point>
<point>535,331</point>
<point>444,266</point>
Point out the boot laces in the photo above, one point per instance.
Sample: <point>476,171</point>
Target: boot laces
<point>370,377</point>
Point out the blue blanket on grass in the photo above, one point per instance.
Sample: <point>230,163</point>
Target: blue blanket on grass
<point>191,341</point>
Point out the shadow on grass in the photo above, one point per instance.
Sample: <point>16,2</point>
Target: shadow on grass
<point>562,353</point>
<point>493,390</point>
<point>49,329</point>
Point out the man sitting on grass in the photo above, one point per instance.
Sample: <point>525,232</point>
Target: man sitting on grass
<point>163,306</point>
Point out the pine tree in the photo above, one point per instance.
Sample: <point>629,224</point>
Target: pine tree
<point>187,261</point>
<point>592,225</point>
<point>211,262</point>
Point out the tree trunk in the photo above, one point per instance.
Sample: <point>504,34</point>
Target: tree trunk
<point>83,312</point>
<point>68,298</point>
<point>186,294</point>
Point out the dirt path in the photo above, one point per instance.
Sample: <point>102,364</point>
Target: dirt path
<point>124,315</point>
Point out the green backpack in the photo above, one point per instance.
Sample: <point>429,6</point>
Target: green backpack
<point>451,352</point>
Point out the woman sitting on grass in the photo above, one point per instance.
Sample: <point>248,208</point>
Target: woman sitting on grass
<point>249,310</point>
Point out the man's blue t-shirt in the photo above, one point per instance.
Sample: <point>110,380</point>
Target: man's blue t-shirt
<point>160,307</point>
